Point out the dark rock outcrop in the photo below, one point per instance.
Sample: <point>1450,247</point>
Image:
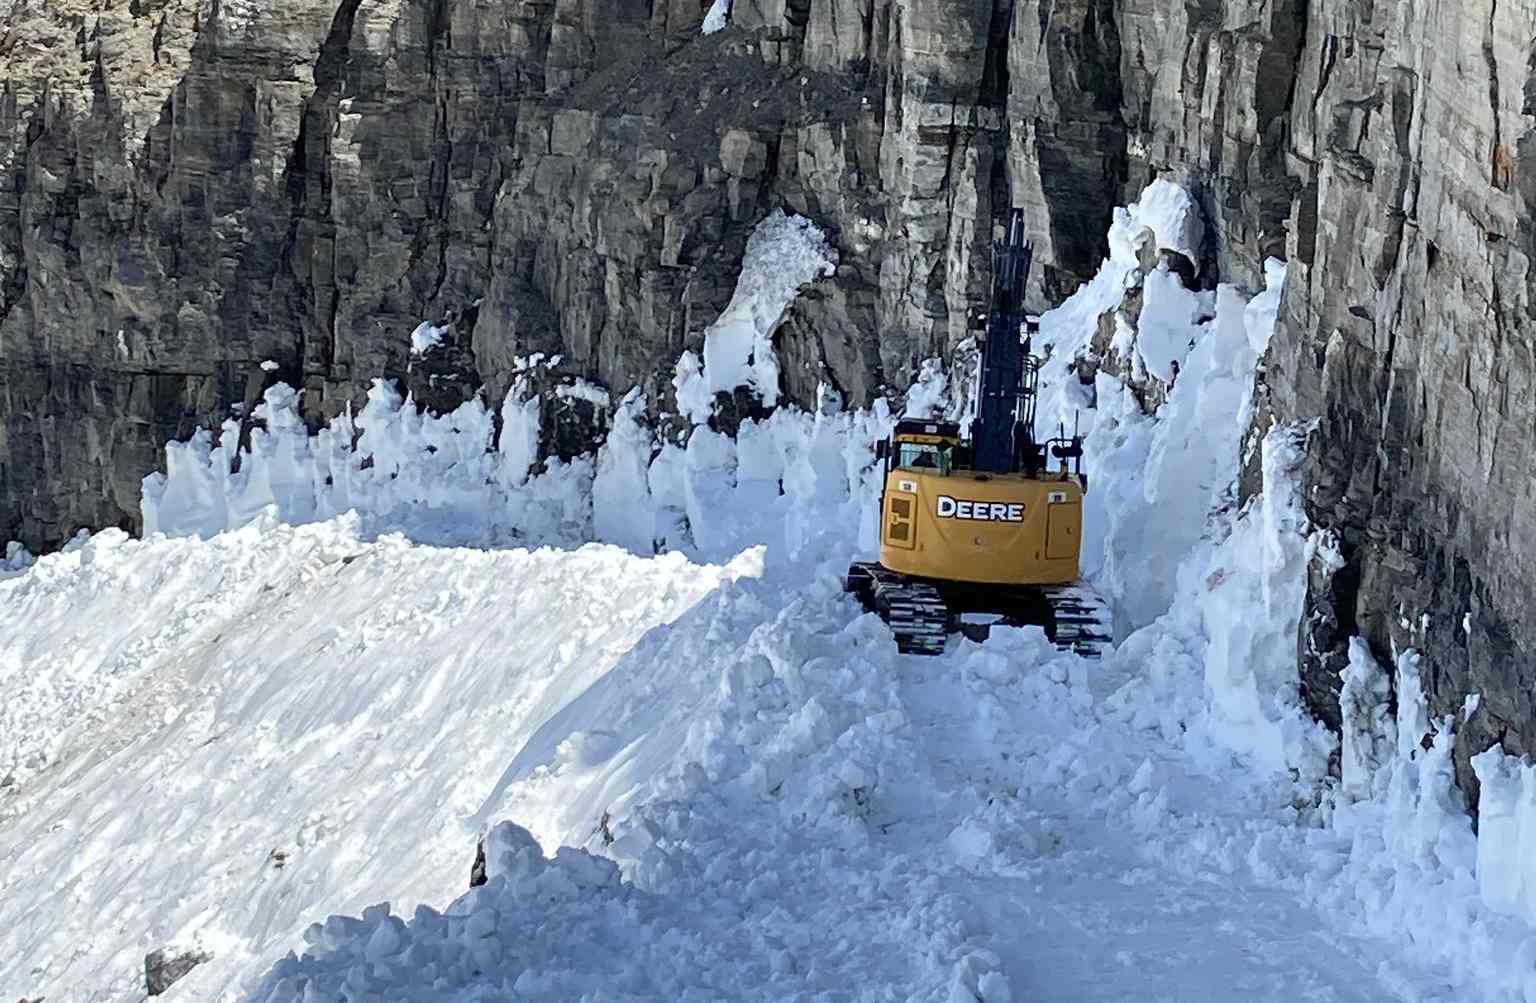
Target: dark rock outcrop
<point>163,969</point>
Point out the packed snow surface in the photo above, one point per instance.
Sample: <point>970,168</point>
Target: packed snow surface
<point>705,773</point>
<point>282,720</point>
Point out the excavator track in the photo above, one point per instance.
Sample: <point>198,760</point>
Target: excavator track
<point>920,613</point>
<point>1082,619</point>
<point>914,610</point>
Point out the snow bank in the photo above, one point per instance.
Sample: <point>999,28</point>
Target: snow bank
<point>783,254</point>
<point>799,483</point>
<point>437,479</point>
<point>219,740</point>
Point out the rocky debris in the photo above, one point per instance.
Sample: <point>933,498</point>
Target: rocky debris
<point>164,968</point>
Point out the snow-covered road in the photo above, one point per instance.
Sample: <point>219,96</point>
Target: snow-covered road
<point>810,813</point>
<point>1101,863</point>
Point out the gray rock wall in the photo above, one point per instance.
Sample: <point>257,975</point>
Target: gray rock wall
<point>198,185</point>
<point>200,188</point>
<point>1409,331</point>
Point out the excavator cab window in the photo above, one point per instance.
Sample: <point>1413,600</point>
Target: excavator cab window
<point>925,456</point>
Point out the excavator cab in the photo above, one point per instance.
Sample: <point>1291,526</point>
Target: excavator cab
<point>980,523</point>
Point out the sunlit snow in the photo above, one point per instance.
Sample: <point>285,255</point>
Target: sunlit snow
<point>704,774</point>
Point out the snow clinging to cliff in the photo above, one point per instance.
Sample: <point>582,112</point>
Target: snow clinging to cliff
<point>783,254</point>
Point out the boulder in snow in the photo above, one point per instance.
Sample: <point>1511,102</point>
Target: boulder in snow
<point>163,968</point>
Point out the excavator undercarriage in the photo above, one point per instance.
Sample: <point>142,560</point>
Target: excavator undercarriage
<point>923,612</point>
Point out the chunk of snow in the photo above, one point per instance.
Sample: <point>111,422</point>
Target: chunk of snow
<point>717,17</point>
<point>426,337</point>
<point>583,391</point>
<point>1412,705</point>
<point>694,398</point>
<point>269,366</point>
<point>1365,712</point>
<point>1506,833</point>
<point>783,254</point>
<point>1167,213</point>
<point>17,558</point>
<point>623,510</point>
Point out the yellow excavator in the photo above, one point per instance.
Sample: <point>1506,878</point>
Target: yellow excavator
<point>980,529</point>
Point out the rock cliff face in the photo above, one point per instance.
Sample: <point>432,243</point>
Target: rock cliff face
<point>196,186</point>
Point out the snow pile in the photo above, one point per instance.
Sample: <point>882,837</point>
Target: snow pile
<point>16,560</point>
<point>774,771</point>
<point>235,735</point>
<point>433,477</point>
<point>1165,216</point>
<point>783,254</point>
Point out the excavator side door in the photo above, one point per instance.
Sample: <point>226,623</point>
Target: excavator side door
<point>1063,526</point>
<point>899,524</point>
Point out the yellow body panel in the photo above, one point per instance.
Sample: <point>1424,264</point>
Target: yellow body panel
<point>1027,530</point>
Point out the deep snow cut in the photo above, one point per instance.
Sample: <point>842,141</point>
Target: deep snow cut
<point>705,781</point>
